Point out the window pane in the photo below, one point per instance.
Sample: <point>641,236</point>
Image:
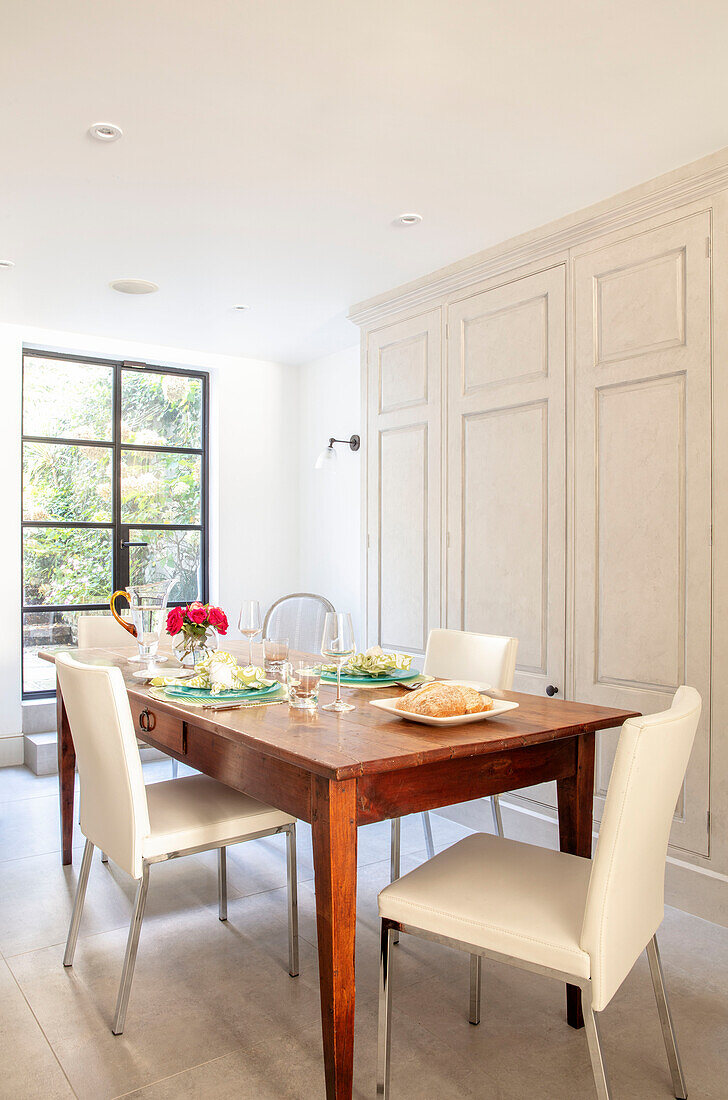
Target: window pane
<point>43,630</point>
<point>66,566</point>
<point>160,488</point>
<point>67,400</point>
<point>161,410</point>
<point>168,554</point>
<point>66,483</point>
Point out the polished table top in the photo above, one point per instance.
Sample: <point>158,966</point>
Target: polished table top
<point>367,740</point>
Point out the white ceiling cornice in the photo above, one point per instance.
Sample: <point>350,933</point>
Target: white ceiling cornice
<point>678,188</point>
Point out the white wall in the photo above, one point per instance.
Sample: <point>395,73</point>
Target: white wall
<point>256,495</point>
<point>253,484</point>
<point>329,505</point>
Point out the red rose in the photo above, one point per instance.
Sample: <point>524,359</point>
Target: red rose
<point>197,612</point>
<point>217,618</point>
<point>174,620</point>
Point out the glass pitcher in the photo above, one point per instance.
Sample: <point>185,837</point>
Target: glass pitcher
<point>148,610</point>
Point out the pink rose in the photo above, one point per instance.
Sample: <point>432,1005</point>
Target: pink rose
<point>217,618</point>
<point>197,612</point>
<point>174,620</point>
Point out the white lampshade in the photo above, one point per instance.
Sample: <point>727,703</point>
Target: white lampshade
<point>327,456</point>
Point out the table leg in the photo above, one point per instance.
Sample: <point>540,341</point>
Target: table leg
<point>576,805</point>
<point>333,824</point>
<point>66,776</point>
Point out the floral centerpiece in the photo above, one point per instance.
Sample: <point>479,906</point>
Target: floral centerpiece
<point>195,628</point>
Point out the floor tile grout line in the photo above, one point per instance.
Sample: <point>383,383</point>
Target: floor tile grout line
<point>179,1073</point>
<point>42,1031</point>
<point>200,1065</point>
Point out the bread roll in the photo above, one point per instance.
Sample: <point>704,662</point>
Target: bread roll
<point>438,700</point>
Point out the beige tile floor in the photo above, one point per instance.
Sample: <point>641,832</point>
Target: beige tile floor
<point>214,1014</point>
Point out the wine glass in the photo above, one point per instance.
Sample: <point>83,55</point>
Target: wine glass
<point>249,623</point>
<point>337,643</point>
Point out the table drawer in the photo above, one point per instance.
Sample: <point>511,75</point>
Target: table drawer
<point>158,727</point>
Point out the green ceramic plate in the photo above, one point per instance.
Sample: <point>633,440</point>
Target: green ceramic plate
<point>351,679</point>
<point>179,691</point>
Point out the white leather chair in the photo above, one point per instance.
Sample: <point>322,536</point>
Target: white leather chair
<point>137,825</point>
<point>581,921</point>
<point>462,655</point>
<point>103,632</point>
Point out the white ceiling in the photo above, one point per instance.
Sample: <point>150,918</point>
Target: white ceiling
<point>268,144</point>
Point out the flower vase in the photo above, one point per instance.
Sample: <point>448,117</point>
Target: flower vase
<point>191,650</point>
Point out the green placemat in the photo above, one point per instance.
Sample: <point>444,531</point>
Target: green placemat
<point>216,703</point>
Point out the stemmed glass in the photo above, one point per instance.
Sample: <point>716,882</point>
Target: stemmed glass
<point>337,644</point>
<point>249,623</point>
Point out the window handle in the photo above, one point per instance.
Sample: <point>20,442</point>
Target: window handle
<point>123,543</point>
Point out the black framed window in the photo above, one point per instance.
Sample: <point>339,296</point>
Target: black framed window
<point>115,478</point>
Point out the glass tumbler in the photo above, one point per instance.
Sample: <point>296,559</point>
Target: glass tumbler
<point>303,685</point>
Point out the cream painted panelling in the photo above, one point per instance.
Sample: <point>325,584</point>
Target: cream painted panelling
<point>642,520</point>
<point>506,470</point>
<point>404,370</point>
<point>580,510</point>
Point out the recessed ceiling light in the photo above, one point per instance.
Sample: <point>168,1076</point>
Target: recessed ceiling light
<point>241,308</point>
<point>134,286</point>
<point>7,263</point>
<point>105,131</point>
<point>408,219</point>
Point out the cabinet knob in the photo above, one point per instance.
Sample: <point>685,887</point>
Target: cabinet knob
<point>552,690</point>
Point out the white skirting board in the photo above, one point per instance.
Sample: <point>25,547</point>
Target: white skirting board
<point>11,751</point>
<point>694,889</point>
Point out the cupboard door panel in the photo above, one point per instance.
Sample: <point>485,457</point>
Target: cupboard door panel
<point>512,445</point>
<point>507,477</point>
<point>642,594</point>
<point>403,537</point>
<point>404,375</point>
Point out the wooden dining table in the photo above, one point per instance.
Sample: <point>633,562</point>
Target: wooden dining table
<point>340,771</point>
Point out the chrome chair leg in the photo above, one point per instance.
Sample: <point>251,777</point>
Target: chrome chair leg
<point>668,1028</point>
<point>595,1046</point>
<point>222,883</point>
<point>475,979</point>
<point>384,1039</point>
<point>292,901</point>
<point>497,818</point>
<point>175,767</point>
<point>395,857</point>
<point>78,904</point>
<point>132,945</point>
<point>427,826</point>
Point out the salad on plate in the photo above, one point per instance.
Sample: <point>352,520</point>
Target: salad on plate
<point>375,662</point>
<point>218,673</point>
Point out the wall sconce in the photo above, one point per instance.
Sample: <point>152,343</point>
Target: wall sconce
<point>328,455</point>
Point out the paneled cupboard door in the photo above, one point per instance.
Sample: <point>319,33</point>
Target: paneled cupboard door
<point>506,471</point>
<point>404,374</point>
<point>642,522</point>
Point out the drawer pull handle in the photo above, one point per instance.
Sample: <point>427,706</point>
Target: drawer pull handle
<point>147,721</point>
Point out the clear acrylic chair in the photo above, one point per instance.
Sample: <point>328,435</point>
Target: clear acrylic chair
<point>138,825</point>
<point>462,655</point>
<point>581,921</point>
<point>300,618</point>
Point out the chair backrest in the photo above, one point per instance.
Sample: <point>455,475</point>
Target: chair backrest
<point>625,902</point>
<point>114,813</point>
<point>100,632</point>
<point>103,632</point>
<point>300,618</point>
<point>460,655</point>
